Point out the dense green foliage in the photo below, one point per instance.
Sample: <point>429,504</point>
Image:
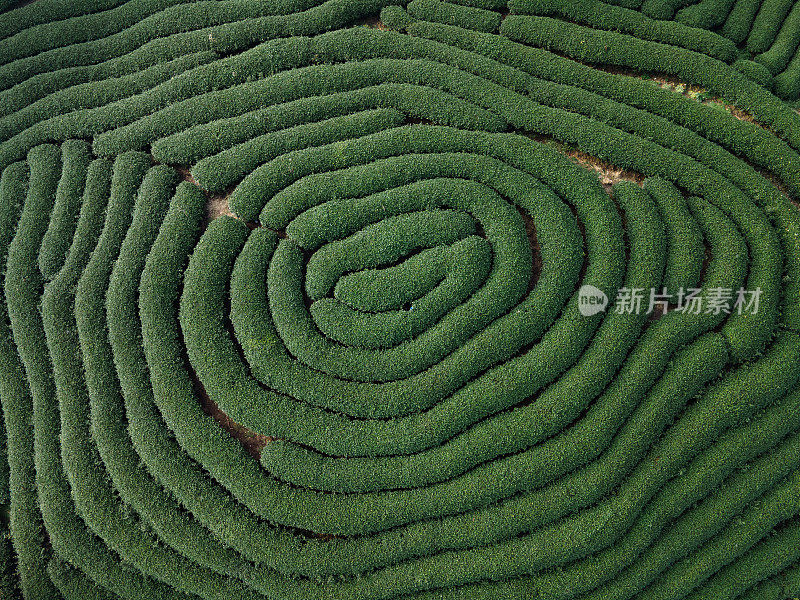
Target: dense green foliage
<point>375,377</point>
<point>765,31</point>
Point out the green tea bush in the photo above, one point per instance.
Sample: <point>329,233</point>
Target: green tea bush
<point>599,15</point>
<point>453,14</point>
<point>706,14</point>
<point>663,9</point>
<point>318,299</point>
<point>783,49</point>
<point>767,25</point>
<point>740,20</point>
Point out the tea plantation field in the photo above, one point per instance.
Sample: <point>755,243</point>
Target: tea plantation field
<point>400,300</point>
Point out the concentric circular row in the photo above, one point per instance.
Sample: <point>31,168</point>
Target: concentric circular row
<point>391,316</point>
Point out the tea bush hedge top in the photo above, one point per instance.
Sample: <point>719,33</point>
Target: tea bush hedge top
<point>375,376</point>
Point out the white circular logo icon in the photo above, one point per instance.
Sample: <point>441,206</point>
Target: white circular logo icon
<point>591,300</point>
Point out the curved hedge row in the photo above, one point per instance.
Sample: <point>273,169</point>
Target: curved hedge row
<point>424,354</point>
<point>762,34</point>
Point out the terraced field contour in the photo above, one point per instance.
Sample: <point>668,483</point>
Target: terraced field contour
<point>292,299</point>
